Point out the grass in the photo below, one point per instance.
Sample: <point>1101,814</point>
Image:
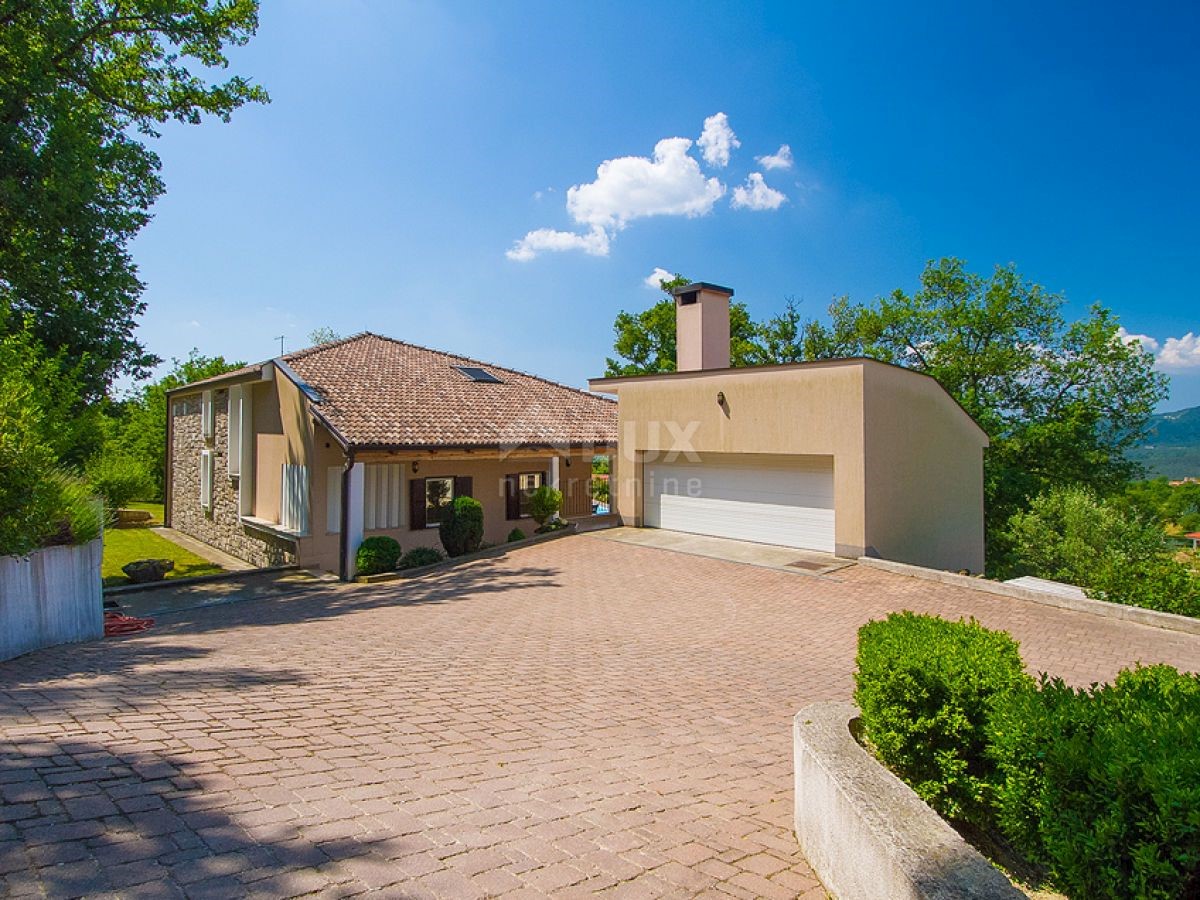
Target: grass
<point>124,545</point>
<point>155,510</point>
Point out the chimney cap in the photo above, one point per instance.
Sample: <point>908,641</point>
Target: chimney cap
<point>701,286</point>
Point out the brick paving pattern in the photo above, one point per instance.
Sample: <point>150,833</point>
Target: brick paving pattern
<point>579,716</point>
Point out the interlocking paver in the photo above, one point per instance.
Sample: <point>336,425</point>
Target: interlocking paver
<point>578,716</point>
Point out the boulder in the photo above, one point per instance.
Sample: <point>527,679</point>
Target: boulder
<point>143,571</point>
<point>132,518</point>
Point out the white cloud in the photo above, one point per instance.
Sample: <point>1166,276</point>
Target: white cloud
<point>1180,353</point>
<point>634,187</point>
<point>780,159</point>
<point>1149,344</point>
<point>659,274</point>
<point>547,240</point>
<point>717,140</point>
<point>755,194</point>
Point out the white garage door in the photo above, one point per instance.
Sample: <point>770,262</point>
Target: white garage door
<point>767,499</point>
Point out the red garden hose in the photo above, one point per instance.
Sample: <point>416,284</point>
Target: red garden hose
<point>116,624</point>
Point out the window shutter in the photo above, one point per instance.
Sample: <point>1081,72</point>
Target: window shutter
<point>416,504</point>
<point>512,499</point>
<point>206,479</point>
<point>463,486</point>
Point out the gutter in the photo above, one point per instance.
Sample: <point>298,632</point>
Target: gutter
<point>344,531</point>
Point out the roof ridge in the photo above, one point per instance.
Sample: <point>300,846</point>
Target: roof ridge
<point>467,359</point>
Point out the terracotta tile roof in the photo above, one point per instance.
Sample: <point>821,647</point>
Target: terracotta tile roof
<point>376,391</point>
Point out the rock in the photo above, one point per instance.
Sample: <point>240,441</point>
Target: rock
<point>143,571</point>
<point>132,518</point>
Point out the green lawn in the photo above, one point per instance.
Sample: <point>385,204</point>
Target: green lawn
<point>124,545</point>
<point>155,510</point>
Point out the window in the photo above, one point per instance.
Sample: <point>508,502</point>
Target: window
<point>206,479</point>
<point>439,493</point>
<point>207,416</point>
<point>381,495</point>
<point>527,483</point>
<point>233,455</point>
<point>475,373</point>
<point>293,499</point>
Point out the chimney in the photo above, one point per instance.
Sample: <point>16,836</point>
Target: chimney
<point>701,327</point>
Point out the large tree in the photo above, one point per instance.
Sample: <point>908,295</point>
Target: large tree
<point>82,84</point>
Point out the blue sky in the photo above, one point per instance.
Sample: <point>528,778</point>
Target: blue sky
<point>411,146</point>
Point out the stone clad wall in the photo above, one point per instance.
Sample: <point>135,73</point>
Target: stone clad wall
<point>221,527</point>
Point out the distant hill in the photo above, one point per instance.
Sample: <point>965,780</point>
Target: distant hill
<point>1173,446</point>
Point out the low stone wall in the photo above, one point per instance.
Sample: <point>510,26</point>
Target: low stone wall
<point>52,596</point>
<point>1151,617</point>
<point>865,833</point>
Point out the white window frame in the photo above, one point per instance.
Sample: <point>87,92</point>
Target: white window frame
<point>233,428</point>
<point>523,494</point>
<point>207,415</point>
<point>206,479</point>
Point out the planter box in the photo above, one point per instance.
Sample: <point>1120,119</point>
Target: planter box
<point>49,597</point>
<point>864,831</point>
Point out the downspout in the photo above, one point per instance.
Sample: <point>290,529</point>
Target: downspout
<point>344,535</point>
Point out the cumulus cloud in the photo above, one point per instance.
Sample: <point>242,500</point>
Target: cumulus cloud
<point>658,275</point>
<point>756,194</point>
<point>634,187</point>
<point>717,140</point>
<point>1180,353</point>
<point>547,240</point>
<point>780,159</point>
<point>1149,344</point>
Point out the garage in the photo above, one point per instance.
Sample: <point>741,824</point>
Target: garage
<point>767,498</point>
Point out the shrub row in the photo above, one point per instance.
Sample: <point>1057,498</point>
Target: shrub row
<point>1100,787</point>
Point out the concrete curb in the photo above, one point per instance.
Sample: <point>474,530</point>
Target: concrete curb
<point>1150,617</point>
<point>119,589</point>
<point>865,833</point>
<point>489,553</point>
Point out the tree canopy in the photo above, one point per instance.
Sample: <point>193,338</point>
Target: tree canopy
<point>80,81</point>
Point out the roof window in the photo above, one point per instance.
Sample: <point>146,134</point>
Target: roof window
<point>476,373</point>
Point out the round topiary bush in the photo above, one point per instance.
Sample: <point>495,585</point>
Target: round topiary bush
<point>420,556</point>
<point>544,504</point>
<point>516,535</point>
<point>461,528</point>
<point>377,554</point>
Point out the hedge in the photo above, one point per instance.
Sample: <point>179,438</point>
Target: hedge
<point>377,554</point>
<point>461,527</point>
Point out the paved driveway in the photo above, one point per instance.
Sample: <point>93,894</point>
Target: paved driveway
<point>580,715</point>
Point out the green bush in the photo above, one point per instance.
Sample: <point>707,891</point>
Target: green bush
<point>118,478</point>
<point>544,503</point>
<point>377,554</point>
<point>1071,535</point>
<point>420,556</point>
<point>1102,786</point>
<point>461,528</point>
<point>516,535</point>
<point>926,689</point>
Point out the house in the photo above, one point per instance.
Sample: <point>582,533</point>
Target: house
<point>297,459</point>
<point>849,456</point>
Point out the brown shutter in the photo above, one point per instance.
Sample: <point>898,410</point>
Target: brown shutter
<point>463,486</point>
<point>416,504</point>
<point>512,500</point>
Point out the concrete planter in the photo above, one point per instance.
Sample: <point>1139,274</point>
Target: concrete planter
<point>49,597</point>
<point>866,834</point>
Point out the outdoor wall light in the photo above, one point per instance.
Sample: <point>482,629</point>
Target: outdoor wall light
<point>567,460</point>
<point>416,467</point>
<point>720,398</point>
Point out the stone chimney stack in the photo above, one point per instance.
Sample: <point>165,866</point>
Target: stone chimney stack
<point>701,327</point>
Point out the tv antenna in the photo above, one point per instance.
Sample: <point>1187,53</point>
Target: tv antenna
<point>280,339</point>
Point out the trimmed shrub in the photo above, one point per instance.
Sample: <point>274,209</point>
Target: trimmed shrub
<point>119,478</point>
<point>420,556</point>
<point>461,528</point>
<point>516,535</point>
<point>377,554</point>
<point>544,504</point>
<point>1102,786</point>
<point>926,688</point>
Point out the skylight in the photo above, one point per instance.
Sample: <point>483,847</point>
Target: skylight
<point>475,373</point>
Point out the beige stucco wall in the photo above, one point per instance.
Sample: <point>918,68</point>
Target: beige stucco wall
<point>908,472</point>
<point>788,411</point>
<point>924,474</point>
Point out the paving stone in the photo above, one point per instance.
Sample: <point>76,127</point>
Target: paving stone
<point>575,716</point>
